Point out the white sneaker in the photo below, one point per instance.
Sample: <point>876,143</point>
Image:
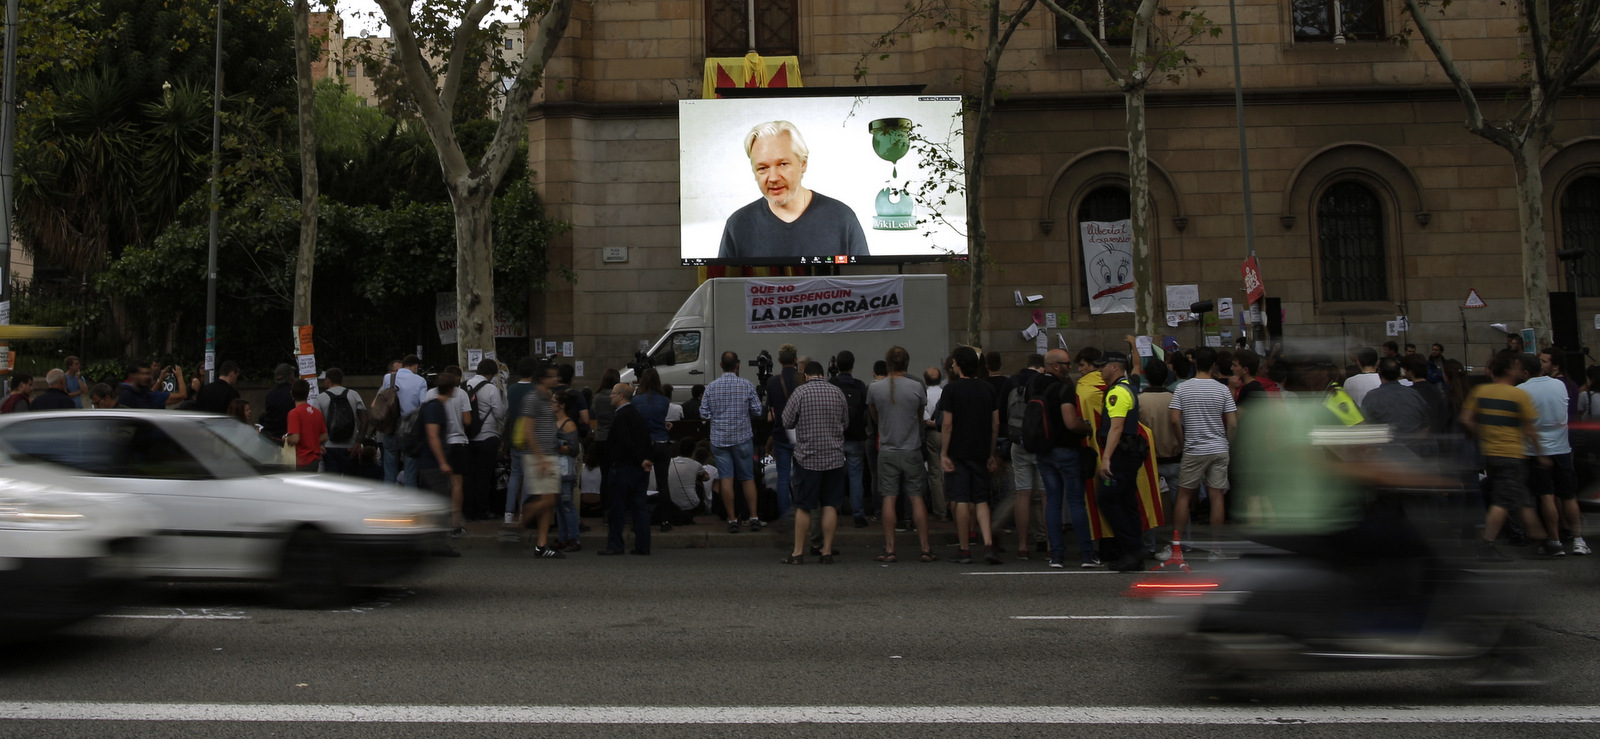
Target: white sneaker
<point>1165,553</point>
<point>509,516</point>
<point>1579,548</point>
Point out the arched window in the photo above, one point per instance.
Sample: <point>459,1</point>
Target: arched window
<point>1350,240</point>
<point>1105,203</point>
<point>1580,229</point>
<point>777,27</point>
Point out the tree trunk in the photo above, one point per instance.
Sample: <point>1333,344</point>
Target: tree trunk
<point>306,261</point>
<point>977,234</point>
<point>1144,301</point>
<point>474,212</point>
<point>1530,216</point>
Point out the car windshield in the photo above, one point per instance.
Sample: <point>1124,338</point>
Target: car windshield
<point>243,440</point>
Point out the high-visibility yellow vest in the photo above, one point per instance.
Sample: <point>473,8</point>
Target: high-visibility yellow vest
<point>1341,405</point>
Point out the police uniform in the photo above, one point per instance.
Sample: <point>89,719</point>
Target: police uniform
<point>1117,496</point>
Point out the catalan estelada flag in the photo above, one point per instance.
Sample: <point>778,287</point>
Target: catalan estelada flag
<point>751,70</point>
<point>1091,405</point>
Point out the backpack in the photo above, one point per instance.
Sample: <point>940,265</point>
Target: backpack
<point>1040,425</point>
<point>415,443</point>
<point>341,417</point>
<point>476,424</point>
<point>1016,408</point>
<point>855,396</point>
<point>384,413</point>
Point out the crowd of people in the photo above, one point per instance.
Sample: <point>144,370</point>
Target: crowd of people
<point>1109,445</point>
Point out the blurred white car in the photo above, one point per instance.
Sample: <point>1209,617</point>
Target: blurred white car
<point>64,556</point>
<point>227,510</point>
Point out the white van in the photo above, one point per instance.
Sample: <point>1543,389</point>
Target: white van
<point>716,318</point>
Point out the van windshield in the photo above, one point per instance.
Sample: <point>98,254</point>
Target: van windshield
<point>681,347</point>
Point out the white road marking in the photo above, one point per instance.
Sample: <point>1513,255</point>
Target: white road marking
<point>720,715</point>
<point>1089,618</point>
<point>176,616</point>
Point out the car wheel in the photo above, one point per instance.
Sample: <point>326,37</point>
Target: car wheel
<point>308,574</point>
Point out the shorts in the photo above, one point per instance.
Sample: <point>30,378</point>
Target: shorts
<point>1557,479</point>
<point>736,462</point>
<point>1209,468</point>
<point>457,454</point>
<point>537,484</point>
<point>812,489</point>
<point>1507,478</point>
<point>1024,470</point>
<point>901,473</point>
<point>969,483</point>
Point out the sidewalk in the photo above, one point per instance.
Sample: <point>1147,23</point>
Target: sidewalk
<point>707,532</point>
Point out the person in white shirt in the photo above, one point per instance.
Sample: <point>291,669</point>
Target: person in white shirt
<point>1554,486</point>
<point>483,449</point>
<point>1359,385</point>
<point>409,389</point>
<point>674,410</point>
<point>683,498</point>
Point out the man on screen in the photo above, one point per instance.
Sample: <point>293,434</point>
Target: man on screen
<point>789,220</point>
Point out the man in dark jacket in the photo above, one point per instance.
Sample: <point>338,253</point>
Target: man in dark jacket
<point>55,396</point>
<point>215,397</point>
<point>628,455</point>
<point>274,418</point>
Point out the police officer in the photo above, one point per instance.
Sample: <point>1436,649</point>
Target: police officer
<point>1122,453</point>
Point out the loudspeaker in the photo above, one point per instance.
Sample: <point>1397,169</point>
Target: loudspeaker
<point>1564,321</point>
<point>1274,310</point>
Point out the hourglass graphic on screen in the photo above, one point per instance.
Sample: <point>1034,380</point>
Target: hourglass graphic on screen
<point>891,140</point>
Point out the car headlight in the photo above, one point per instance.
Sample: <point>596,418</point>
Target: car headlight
<point>405,521</point>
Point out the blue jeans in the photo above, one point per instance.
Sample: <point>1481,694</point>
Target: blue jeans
<point>567,513</point>
<point>783,456</point>
<point>335,460</point>
<point>855,459</point>
<point>391,457</point>
<point>1059,470</point>
<point>628,501</point>
<point>514,483</point>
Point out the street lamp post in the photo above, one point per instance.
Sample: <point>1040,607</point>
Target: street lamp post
<point>216,206</point>
<point>1244,168</point>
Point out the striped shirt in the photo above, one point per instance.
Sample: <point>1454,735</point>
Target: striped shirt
<point>729,403</point>
<point>1501,412</point>
<point>1203,402</point>
<point>818,413</point>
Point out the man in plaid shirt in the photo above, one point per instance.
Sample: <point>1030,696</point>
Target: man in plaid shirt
<point>818,413</point>
<point>729,404</point>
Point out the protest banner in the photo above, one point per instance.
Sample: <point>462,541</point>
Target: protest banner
<point>825,306</point>
<point>1108,265</point>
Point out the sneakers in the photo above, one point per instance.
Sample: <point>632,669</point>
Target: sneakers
<point>1163,554</point>
<point>963,556</point>
<point>1090,563</point>
<point>1056,564</point>
<point>733,527</point>
<point>1488,552</point>
<point>548,552</point>
<point>755,525</point>
<point>1550,549</point>
<point>458,532</point>
<point>1579,548</point>
<point>991,555</point>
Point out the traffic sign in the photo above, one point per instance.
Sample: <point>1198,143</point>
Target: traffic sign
<point>1474,300</point>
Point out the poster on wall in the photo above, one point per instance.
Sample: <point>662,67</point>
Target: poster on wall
<point>1108,264</point>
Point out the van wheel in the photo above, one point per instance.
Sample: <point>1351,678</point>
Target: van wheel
<point>308,573</point>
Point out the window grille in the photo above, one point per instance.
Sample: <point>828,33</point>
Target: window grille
<point>1350,240</point>
<point>1338,21</point>
<point>1580,229</point>
<point>728,27</point>
<point>1111,22</point>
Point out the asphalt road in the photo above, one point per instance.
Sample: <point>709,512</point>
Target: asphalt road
<point>727,642</point>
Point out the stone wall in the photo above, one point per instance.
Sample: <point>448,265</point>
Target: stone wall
<point>604,148</point>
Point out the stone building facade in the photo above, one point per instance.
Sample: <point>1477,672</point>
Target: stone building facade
<point>1370,198</point>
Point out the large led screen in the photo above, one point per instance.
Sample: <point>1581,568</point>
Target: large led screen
<point>822,180</point>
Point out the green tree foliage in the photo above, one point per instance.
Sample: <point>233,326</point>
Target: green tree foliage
<point>378,271</point>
